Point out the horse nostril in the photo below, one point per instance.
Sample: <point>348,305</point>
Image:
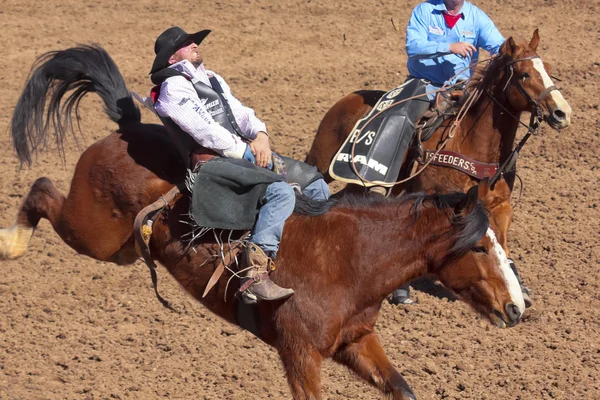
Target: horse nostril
<point>559,115</point>
<point>513,312</point>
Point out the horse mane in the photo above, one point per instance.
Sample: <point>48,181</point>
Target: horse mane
<point>486,71</point>
<point>468,228</point>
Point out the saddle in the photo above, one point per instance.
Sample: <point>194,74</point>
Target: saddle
<point>445,106</point>
<point>374,152</point>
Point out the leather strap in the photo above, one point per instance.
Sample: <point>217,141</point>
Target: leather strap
<point>224,261</point>
<point>451,159</point>
<point>140,244</point>
<point>258,278</point>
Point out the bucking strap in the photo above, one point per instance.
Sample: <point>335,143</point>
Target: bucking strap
<point>142,246</point>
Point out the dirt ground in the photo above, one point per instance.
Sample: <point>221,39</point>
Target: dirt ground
<point>75,328</point>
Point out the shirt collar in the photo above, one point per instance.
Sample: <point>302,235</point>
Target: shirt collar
<point>196,74</point>
<point>440,6</point>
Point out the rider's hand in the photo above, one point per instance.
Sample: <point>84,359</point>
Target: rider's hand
<point>261,149</point>
<point>462,49</point>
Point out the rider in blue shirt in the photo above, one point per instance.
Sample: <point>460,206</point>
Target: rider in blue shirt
<point>443,38</point>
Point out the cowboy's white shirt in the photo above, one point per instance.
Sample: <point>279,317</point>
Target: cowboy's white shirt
<point>179,101</point>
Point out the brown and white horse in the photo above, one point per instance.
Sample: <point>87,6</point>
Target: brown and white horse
<point>326,259</point>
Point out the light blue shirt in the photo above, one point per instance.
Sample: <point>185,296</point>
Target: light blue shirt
<point>428,41</point>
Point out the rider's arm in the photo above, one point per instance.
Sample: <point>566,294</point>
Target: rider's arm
<point>490,37</point>
<point>244,116</point>
<point>417,42</point>
<point>179,101</point>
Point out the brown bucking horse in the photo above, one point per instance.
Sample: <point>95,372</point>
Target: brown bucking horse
<point>333,313</point>
<point>515,81</point>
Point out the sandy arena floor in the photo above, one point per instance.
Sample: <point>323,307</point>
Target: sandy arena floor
<point>75,328</point>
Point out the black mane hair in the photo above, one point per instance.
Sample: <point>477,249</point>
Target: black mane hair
<point>468,228</point>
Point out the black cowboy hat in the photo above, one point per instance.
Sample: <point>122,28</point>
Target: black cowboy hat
<point>169,42</point>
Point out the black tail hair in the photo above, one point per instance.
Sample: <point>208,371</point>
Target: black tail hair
<point>79,70</point>
<point>307,206</point>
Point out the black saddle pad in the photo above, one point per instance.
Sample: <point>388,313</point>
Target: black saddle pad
<point>382,138</point>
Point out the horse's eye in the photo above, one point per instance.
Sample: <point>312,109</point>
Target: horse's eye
<point>525,76</point>
<point>480,249</point>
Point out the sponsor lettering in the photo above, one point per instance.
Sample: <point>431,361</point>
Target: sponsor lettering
<point>371,163</point>
<point>435,30</point>
<point>212,103</point>
<point>216,111</point>
<point>463,164</point>
<point>367,137</point>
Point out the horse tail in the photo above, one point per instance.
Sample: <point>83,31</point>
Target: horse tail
<point>44,102</point>
<point>307,206</point>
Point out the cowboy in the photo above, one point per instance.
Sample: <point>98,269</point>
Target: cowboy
<point>442,41</point>
<point>201,104</point>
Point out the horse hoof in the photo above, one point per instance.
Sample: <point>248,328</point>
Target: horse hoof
<point>397,300</point>
<point>14,242</point>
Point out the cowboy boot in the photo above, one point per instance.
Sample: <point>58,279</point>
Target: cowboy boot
<point>257,285</point>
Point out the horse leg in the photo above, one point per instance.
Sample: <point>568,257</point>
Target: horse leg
<point>302,364</point>
<point>43,201</point>
<point>367,359</point>
<point>88,231</point>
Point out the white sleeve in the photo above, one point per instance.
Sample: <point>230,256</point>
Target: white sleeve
<point>244,116</point>
<point>179,101</point>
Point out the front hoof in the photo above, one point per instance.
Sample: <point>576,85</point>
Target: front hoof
<point>14,242</point>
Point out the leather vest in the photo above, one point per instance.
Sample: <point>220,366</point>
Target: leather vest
<point>211,97</point>
<point>216,105</point>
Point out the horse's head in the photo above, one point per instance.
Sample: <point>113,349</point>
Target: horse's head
<point>477,268</point>
<point>527,83</point>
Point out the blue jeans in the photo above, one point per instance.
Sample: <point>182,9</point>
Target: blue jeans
<point>279,205</point>
<point>280,200</point>
<point>318,190</point>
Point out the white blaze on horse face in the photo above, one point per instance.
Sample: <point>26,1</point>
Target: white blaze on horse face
<point>512,284</point>
<point>557,96</point>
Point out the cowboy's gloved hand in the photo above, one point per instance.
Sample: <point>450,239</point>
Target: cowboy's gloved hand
<point>261,149</point>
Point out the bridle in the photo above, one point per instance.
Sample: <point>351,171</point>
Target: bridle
<point>536,113</point>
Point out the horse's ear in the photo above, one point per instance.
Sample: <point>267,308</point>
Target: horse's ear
<point>483,189</point>
<point>535,40</point>
<point>469,201</point>
<point>509,47</point>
